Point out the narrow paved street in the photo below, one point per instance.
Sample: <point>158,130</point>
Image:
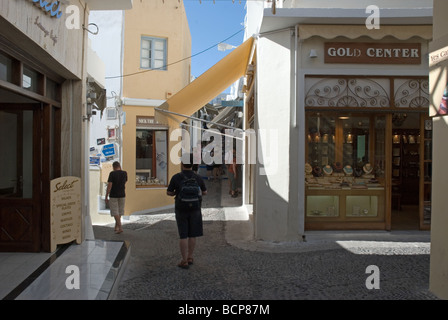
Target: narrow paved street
<point>224,271</point>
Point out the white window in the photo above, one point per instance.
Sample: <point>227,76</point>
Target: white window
<point>111,113</point>
<point>153,53</point>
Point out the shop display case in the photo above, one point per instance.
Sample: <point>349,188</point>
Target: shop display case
<point>342,185</point>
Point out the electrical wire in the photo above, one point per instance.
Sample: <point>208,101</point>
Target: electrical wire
<point>170,64</point>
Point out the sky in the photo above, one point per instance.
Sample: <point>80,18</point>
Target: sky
<point>211,23</point>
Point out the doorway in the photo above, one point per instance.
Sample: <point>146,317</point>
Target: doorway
<point>20,202</point>
<point>405,206</point>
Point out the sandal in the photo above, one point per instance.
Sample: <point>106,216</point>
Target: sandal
<point>190,261</point>
<point>183,264</point>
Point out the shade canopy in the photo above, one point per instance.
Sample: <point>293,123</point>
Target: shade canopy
<point>207,86</point>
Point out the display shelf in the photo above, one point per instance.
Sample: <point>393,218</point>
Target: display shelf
<point>345,205</point>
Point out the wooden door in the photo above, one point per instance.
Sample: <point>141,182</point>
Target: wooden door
<point>20,154</point>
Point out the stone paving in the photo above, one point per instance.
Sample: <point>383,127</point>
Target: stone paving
<point>319,269</point>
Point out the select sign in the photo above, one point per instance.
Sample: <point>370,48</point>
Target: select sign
<point>108,150</point>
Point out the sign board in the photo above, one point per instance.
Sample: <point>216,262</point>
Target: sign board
<point>438,56</point>
<point>65,210</point>
<point>147,122</point>
<point>95,160</point>
<point>108,150</point>
<point>373,53</point>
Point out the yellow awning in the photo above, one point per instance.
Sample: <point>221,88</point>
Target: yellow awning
<point>207,86</point>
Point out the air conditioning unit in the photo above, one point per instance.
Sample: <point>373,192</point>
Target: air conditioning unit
<point>111,113</point>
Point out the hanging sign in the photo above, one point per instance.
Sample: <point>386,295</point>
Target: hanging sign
<point>65,210</point>
<point>108,150</point>
<point>373,53</point>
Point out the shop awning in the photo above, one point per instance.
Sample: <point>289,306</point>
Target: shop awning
<point>207,86</point>
<point>354,32</point>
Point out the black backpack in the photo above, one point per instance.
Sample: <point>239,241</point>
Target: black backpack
<point>189,195</point>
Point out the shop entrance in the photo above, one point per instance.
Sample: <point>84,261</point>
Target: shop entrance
<point>411,171</point>
<point>20,205</point>
<point>405,171</point>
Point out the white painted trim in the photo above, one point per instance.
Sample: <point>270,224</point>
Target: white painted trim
<point>142,102</point>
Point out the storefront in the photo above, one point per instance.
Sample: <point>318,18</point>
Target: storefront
<point>43,83</point>
<point>368,137</point>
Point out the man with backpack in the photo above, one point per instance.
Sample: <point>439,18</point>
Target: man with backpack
<point>188,189</point>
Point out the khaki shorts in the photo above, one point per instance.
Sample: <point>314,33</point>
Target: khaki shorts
<point>116,206</point>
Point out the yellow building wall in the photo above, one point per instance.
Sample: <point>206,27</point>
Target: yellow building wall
<point>162,20</point>
<point>439,218</point>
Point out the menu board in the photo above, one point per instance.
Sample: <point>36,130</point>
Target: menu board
<point>65,199</point>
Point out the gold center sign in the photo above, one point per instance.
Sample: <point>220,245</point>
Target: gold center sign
<point>65,197</point>
<point>373,53</point>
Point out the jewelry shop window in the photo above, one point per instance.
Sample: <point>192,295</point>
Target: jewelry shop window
<point>345,165</point>
<point>151,157</point>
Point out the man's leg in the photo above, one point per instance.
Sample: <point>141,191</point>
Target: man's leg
<point>118,228</point>
<point>191,246</point>
<point>183,244</point>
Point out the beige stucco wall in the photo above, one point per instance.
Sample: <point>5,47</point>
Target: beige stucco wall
<point>439,216</point>
<point>163,20</point>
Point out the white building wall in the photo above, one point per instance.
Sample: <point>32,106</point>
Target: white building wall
<point>272,125</point>
<point>108,46</point>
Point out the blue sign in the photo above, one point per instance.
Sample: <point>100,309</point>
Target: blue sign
<point>53,8</point>
<point>108,150</point>
<point>95,160</point>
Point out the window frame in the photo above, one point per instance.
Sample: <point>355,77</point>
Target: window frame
<point>153,169</point>
<point>152,53</point>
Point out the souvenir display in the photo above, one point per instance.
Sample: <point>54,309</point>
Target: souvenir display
<point>317,171</point>
<point>337,167</point>
<point>328,170</point>
<point>348,170</point>
<point>367,168</point>
<point>396,138</point>
<point>308,168</point>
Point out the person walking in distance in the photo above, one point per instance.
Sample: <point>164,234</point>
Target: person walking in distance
<point>188,189</point>
<point>115,194</point>
<point>232,172</point>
